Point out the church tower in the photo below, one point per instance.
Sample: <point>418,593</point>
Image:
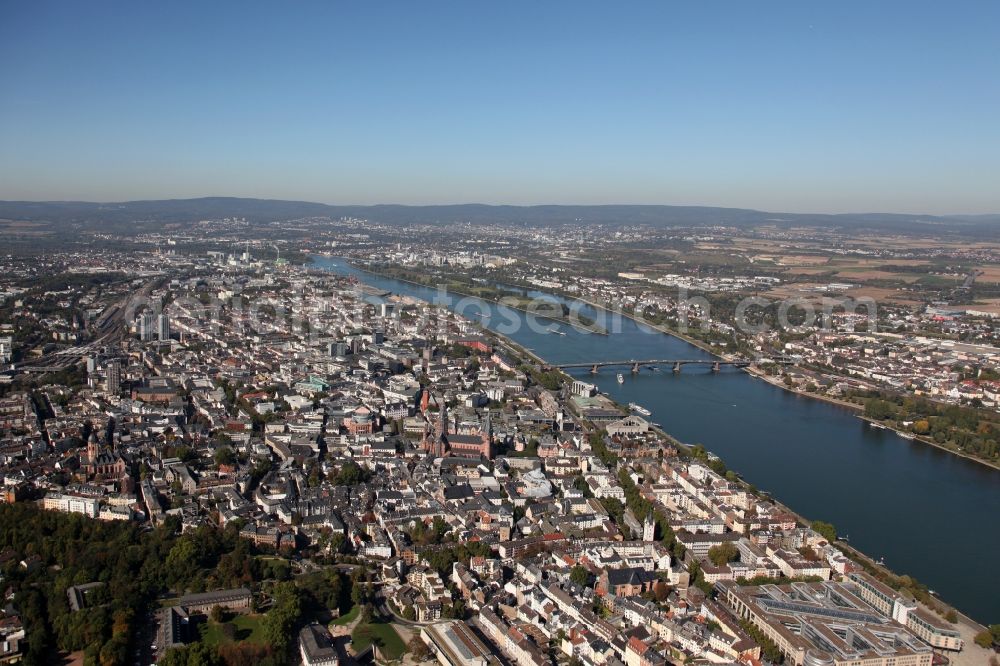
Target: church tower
<point>442,433</point>
<point>93,449</point>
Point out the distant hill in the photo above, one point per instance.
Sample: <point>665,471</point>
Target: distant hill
<point>143,214</point>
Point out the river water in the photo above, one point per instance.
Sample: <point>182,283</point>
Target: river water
<point>929,514</point>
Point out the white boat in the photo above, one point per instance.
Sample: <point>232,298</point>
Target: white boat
<point>907,435</point>
<point>621,379</point>
<point>876,425</point>
<point>639,409</point>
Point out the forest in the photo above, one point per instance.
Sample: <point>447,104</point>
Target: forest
<point>45,552</point>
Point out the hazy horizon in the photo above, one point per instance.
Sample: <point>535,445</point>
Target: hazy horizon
<point>501,204</point>
<point>796,108</point>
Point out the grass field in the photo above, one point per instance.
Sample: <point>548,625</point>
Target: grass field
<point>247,628</point>
<point>349,616</point>
<point>390,645</point>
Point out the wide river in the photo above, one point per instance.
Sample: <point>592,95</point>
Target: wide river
<point>929,514</point>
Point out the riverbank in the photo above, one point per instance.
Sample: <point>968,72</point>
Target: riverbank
<point>753,370</point>
<point>971,654</point>
<point>774,381</point>
<point>905,434</point>
<point>566,321</point>
<point>694,342</point>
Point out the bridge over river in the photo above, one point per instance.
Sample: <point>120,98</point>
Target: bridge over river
<point>675,363</point>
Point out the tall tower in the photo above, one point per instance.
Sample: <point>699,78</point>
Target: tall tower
<point>442,433</point>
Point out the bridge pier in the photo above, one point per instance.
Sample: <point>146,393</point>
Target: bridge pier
<point>715,367</point>
<point>635,368</point>
<point>593,369</point>
<point>677,367</point>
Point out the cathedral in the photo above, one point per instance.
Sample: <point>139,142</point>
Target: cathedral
<point>439,442</point>
<point>105,464</point>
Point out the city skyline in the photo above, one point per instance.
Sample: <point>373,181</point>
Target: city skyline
<point>529,333</point>
<point>798,109</point>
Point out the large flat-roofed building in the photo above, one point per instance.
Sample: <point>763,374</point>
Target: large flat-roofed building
<point>882,597</point>
<point>174,628</point>
<point>77,594</point>
<point>935,632</point>
<point>203,602</point>
<point>454,644</point>
<point>175,620</point>
<point>88,506</point>
<point>316,646</point>
<point>825,624</point>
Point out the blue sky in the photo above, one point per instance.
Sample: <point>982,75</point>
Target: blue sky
<point>795,106</point>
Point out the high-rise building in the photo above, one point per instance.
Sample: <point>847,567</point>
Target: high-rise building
<point>114,377</point>
<point>163,327</point>
<point>147,326</point>
<point>648,529</point>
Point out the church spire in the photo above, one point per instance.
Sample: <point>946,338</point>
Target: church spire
<point>443,420</point>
